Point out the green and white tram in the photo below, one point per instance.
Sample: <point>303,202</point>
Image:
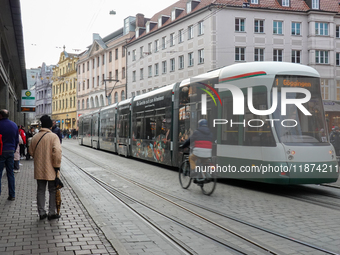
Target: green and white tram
<point>268,119</point>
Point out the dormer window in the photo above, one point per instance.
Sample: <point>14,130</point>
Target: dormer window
<point>191,5</point>
<point>175,13</point>
<point>162,19</point>
<point>285,3</point>
<point>315,4</point>
<point>188,7</point>
<point>137,33</point>
<point>150,25</point>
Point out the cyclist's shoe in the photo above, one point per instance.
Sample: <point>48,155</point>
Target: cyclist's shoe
<point>198,181</point>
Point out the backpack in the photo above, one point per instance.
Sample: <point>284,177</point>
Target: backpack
<point>1,144</point>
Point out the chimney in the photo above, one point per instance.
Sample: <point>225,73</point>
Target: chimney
<point>140,20</point>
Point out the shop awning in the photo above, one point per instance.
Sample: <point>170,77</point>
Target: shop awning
<point>330,106</point>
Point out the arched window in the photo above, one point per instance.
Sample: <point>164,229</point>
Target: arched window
<point>92,103</point>
<point>109,99</point>
<point>87,103</point>
<point>122,96</point>
<point>97,101</point>
<point>116,97</point>
<point>102,100</point>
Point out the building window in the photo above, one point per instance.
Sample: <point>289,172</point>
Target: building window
<point>149,71</point>
<point>123,73</point>
<point>116,75</point>
<point>88,65</point>
<point>180,36</point>
<point>156,45</point>
<point>239,25</point>
<point>296,28</point>
<point>163,42</point>
<point>190,59</point>
<point>143,91</point>
<point>277,55</point>
<point>93,63</point>
<point>337,59</point>
<point>123,52</point>
<point>239,54</point>
<point>254,1</point>
<point>141,52</point>
<point>338,90</point>
<point>321,57</point>
<point>83,104</point>
<point>110,75</point>
<point>156,69</point>
<point>83,67</point>
<point>110,56</point>
<point>201,56</point>
<point>285,3</point>
<point>172,39</point>
<point>277,27</point>
<point>138,92</point>
<point>122,95</point>
<point>88,83</point>
<point>324,89</point>
<point>321,28</point>
<point>164,67</point>
<point>133,75</point>
<point>116,53</point>
<point>133,94</point>
<point>116,97</point>
<point>200,28</point>
<point>181,62</point>
<point>102,100</point>
<point>103,57</point>
<point>190,32</point>
<point>93,82</point>
<point>133,55</point>
<point>315,4</point>
<point>98,61</point>
<point>141,73</point>
<point>98,81</point>
<point>296,56</point>
<point>172,65</point>
<point>337,32</point>
<point>83,86</point>
<point>259,26</point>
<point>150,48</point>
<point>259,54</point>
<point>87,103</point>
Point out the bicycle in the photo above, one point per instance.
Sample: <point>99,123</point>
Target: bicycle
<point>206,179</point>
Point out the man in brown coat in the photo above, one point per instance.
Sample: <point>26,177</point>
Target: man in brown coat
<point>45,148</point>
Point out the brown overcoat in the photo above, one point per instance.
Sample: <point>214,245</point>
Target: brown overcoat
<point>47,155</point>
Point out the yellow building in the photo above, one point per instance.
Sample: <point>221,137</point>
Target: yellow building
<point>64,93</point>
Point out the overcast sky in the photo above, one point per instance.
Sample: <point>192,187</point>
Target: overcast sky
<point>49,25</point>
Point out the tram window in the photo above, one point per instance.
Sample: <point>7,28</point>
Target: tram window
<point>123,126</point>
<point>230,134</point>
<point>257,131</point>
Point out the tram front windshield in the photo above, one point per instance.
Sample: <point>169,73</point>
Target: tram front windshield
<point>295,127</point>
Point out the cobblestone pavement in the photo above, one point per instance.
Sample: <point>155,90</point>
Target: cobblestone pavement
<point>301,220</point>
<point>21,231</point>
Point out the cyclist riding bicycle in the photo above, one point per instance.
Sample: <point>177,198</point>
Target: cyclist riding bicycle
<point>201,141</point>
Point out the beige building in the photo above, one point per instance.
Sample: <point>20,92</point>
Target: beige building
<point>102,71</point>
<point>64,95</point>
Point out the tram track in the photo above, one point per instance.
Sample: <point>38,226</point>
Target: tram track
<point>166,196</point>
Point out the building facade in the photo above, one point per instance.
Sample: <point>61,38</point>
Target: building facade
<point>193,37</point>
<point>43,91</point>
<point>12,60</point>
<point>102,72</point>
<point>64,93</point>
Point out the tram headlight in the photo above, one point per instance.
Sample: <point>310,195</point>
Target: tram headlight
<point>290,157</point>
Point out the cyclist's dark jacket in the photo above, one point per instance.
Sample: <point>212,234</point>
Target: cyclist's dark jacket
<point>201,140</point>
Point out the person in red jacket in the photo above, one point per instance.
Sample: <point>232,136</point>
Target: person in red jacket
<point>22,133</point>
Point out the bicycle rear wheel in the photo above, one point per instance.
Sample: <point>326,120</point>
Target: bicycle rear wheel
<point>184,174</point>
<point>209,184</point>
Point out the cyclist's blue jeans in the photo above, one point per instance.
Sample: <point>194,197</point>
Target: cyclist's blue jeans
<point>7,160</point>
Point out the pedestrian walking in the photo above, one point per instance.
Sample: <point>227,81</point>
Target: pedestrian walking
<point>57,131</point>
<point>29,137</point>
<point>17,156</point>
<point>10,139</point>
<point>45,148</point>
<point>23,136</point>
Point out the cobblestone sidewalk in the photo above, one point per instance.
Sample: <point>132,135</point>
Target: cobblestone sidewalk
<point>21,231</point>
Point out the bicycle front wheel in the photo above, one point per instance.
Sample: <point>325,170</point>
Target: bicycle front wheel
<point>184,174</point>
<point>209,184</point>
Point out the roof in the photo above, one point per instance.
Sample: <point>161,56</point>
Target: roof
<point>295,6</point>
